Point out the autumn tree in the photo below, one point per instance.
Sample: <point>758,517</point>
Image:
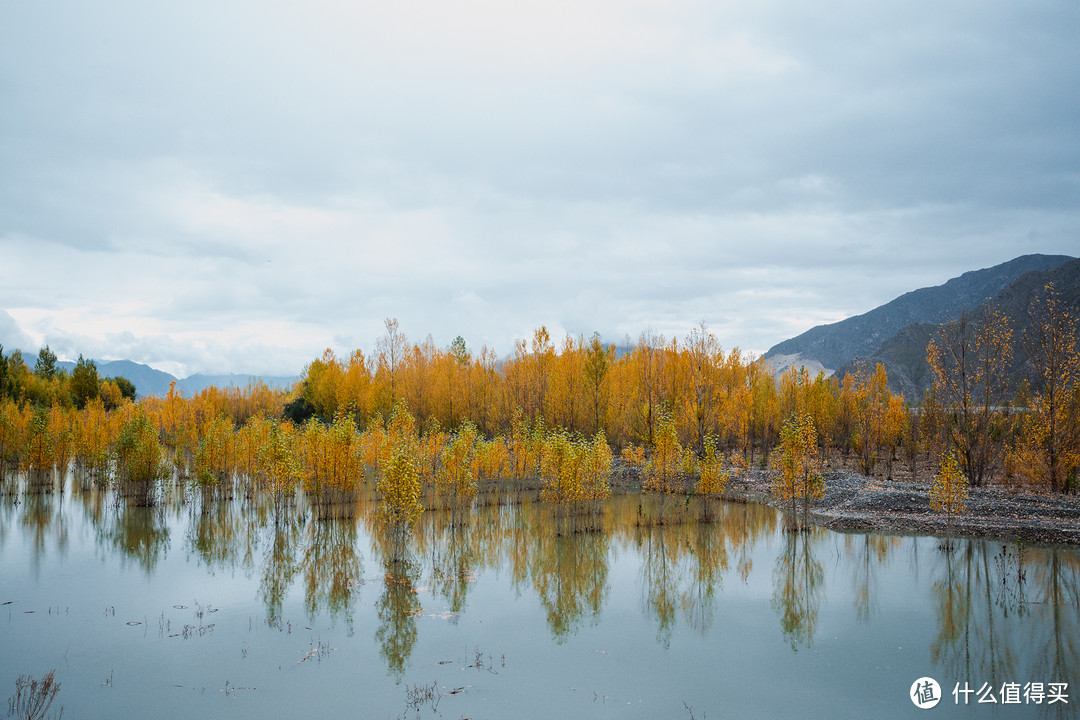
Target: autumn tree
<point>662,475</point>
<point>456,477</point>
<point>797,481</point>
<point>713,478</point>
<point>871,415</point>
<point>398,485</point>
<point>1049,447</point>
<point>84,384</point>
<point>597,365</point>
<point>140,460</point>
<point>704,357</point>
<point>392,348</point>
<point>949,492</point>
<point>970,359</point>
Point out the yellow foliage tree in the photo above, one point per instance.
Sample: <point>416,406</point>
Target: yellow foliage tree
<point>797,480</point>
<point>949,492</point>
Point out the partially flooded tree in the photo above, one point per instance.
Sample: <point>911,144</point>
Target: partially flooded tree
<point>663,472</point>
<point>712,479</point>
<point>140,459</point>
<point>398,485</point>
<point>797,481</point>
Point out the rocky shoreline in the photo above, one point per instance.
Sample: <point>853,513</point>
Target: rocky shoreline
<point>856,503</point>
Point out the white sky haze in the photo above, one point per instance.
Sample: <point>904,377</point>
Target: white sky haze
<point>232,186</point>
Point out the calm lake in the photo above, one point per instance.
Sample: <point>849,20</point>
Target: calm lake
<point>209,608</point>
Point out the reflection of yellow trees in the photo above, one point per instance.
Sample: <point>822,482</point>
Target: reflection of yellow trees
<point>682,565</point>
<point>332,567</point>
<point>1056,592</point>
<point>455,552</point>
<point>660,576</point>
<point>221,536</point>
<point>970,640</point>
<point>140,533</point>
<point>569,574</point>
<point>397,608</point>
<point>867,553</point>
<point>798,586</point>
<point>279,569</point>
<point>43,519</point>
<point>710,556</point>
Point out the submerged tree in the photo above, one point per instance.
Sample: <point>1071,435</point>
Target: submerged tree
<point>140,459</point>
<point>662,475</point>
<point>797,481</point>
<point>712,480</point>
<point>398,485</point>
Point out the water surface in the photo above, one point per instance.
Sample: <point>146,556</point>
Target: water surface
<point>213,608</point>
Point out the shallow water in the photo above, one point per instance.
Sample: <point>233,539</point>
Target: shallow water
<point>211,609</point>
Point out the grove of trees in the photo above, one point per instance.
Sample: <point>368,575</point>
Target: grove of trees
<point>443,427</point>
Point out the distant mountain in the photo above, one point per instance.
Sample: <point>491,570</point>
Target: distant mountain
<point>904,354</point>
<point>199,382</point>
<point>832,346</point>
<point>148,381</point>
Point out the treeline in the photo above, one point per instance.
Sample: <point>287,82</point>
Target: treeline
<point>48,385</point>
<point>686,414</point>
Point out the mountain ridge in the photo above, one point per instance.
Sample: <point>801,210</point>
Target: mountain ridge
<point>150,381</point>
<point>904,354</point>
<point>836,345</point>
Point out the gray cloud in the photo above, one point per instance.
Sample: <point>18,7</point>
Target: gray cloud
<point>233,186</point>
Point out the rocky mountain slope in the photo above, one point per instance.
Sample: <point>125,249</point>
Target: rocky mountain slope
<point>904,354</point>
<point>838,344</point>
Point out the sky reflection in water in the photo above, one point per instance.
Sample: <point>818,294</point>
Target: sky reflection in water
<point>214,608</point>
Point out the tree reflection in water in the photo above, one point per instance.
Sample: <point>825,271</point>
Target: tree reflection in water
<point>973,597</point>
<point>279,568</point>
<point>1002,613</point>
<point>569,573</point>
<point>332,567</point>
<point>798,587</point>
<point>867,553</point>
<point>140,533</point>
<point>43,520</point>
<point>397,609</point>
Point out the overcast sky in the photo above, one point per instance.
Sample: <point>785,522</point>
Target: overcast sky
<point>232,186</point>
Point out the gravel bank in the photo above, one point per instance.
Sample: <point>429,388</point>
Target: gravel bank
<point>855,503</point>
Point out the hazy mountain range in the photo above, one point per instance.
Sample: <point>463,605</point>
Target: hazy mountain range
<point>149,381</point>
<point>896,333</point>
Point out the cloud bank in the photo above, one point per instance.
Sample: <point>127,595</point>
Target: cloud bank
<point>233,186</point>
